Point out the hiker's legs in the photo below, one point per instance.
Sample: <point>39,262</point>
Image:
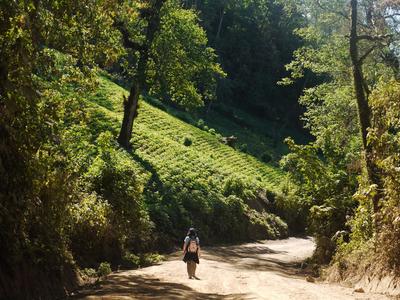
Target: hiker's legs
<point>191,268</point>
<point>194,269</point>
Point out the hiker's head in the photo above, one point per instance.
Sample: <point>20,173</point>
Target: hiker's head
<point>192,232</point>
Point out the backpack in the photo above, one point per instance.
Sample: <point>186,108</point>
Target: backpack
<point>192,246</point>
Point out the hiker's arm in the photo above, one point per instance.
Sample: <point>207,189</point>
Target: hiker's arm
<point>184,248</point>
<point>198,251</point>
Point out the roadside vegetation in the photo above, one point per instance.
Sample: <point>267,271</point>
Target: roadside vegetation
<point>125,122</point>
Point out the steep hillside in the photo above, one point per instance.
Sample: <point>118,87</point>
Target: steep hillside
<point>159,138</point>
<point>191,171</point>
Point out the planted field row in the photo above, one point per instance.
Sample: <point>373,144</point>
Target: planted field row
<point>158,139</point>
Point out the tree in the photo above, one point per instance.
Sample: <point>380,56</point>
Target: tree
<point>350,46</point>
<point>254,40</point>
<point>171,59</point>
<point>370,34</point>
<point>151,15</point>
<point>183,68</point>
<point>376,32</point>
<point>35,185</point>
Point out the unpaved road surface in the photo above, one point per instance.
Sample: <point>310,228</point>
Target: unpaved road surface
<point>264,270</point>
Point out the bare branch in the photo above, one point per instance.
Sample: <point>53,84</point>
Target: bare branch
<point>375,38</point>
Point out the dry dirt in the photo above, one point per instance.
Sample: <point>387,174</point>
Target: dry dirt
<point>264,270</point>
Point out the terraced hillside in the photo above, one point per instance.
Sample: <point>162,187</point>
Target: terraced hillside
<point>159,139</point>
<point>191,165</point>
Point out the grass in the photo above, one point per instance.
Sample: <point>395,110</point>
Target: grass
<point>190,178</point>
<point>158,138</point>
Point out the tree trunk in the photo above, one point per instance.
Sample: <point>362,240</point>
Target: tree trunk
<point>130,112</point>
<point>221,19</point>
<point>139,85</point>
<point>364,111</point>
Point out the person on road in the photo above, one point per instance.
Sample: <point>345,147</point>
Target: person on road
<point>191,252</point>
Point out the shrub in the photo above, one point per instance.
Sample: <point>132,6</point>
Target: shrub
<point>229,221</point>
<point>90,228</point>
<point>114,176</point>
<point>131,260</point>
<point>187,141</point>
<point>243,148</point>
<point>266,157</point>
<point>293,210</point>
<point>200,123</point>
<point>89,272</point>
<point>104,269</point>
<point>234,186</point>
<point>147,259</point>
<point>155,102</point>
<point>142,260</point>
<point>264,225</point>
<point>212,131</point>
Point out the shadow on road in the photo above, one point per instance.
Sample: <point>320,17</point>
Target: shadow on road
<point>261,258</point>
<point>145,287</point>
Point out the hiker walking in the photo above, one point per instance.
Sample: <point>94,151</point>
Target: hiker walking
<point>191,252</point>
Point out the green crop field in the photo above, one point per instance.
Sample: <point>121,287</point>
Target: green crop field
<point>159,140</point>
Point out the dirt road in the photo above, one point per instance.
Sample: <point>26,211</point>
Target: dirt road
<point>265,270</point>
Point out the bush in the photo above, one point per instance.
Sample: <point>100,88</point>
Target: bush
<point>200,123</point>
<point>243,148</point>
<point>263,225</point>
<point>131,260</point>
<point>234,186</point>
<point>113,178</point>
<point>148,259</point>
<point>229,221</point>
<point>104,269</point>
<point>89,272</point>
<point>156,102</point>
<point>187,141</point>
<point>212,131</point>
<point>293,210</point>
<point>90,229</point>
<point>144,259</point>
<point>266,157</point>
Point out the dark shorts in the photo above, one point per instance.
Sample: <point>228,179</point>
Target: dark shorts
<point>191,257</point>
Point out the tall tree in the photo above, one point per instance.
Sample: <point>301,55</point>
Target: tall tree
<point>361,93</point>
<point>350,45</point>
<point>379,27</point>
<point>171,59</point>
<point>151,14</point>
<point>43,46</point>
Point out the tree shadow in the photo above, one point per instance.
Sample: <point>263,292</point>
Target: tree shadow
<point>119,286</point>
<point>155,181</point>
<point>260,258</point>
<point>102,99</point>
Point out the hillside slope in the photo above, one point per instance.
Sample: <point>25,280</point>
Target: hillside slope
<point>160,136</point>
<point>194,178</point>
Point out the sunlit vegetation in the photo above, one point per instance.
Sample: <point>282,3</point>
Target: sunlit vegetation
<point>122,123</point>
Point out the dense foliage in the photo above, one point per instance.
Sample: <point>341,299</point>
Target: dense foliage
<point>343,177</point>
<point>254,40</point>
<point>69,196</point>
